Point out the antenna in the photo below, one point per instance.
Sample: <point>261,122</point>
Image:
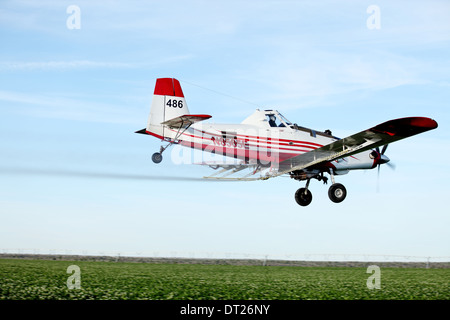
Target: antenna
<point>221,93</point>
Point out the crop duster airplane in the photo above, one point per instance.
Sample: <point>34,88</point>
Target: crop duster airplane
<point>268,145</point>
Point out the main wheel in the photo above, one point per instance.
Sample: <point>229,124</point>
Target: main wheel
<point>303,197</point>
<point>337,193</point>
<point>157,157</point>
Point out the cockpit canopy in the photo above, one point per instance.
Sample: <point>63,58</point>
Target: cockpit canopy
<point>268,118</point>
<point>276,119</point>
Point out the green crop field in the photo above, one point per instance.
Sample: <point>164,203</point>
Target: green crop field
<point>44,279</point>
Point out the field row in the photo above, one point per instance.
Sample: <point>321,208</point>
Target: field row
<point>41,279</point>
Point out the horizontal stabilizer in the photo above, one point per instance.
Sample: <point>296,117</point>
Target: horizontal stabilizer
<point>142,131</point>
<point>185,120</point>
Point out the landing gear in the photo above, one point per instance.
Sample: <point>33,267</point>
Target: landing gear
<point>337,193</point>
<point>157,157</point>
<point>303,197</point>
<point>178,123</point>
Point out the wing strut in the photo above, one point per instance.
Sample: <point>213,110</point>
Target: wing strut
<point>183,124</point>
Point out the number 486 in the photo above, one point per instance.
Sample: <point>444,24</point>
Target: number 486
<point>175,103</point>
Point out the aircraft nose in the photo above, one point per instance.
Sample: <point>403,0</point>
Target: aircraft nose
<point>383,159</point>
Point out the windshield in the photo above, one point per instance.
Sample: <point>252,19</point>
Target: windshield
<point>276,119</point>
<point>283,119</point>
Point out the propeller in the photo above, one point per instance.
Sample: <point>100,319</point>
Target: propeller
<point>382,159</point>
<point>384,148</point>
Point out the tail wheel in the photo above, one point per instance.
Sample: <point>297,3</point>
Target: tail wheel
<point>337,193</point>
<point>303,197</point>
<point>157,157</point>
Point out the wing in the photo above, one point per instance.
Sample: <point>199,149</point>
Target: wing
<point>387,132</point>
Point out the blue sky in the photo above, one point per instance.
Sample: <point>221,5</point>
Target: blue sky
<point>75,176</point>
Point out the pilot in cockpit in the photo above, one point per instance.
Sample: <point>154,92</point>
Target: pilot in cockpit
<point>272,120</point>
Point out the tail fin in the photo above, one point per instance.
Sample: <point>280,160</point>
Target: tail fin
<point>168,103</point>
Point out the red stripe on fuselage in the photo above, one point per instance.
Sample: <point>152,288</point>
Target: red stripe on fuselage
<point>263,139</point>
<point>270,152</point>
<point>269,145</point>
<point>267,152</point>
<point>259,139</point>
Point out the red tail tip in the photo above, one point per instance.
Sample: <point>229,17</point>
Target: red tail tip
<point>168,87</point>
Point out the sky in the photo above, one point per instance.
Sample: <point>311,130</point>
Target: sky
<point>77,79</point>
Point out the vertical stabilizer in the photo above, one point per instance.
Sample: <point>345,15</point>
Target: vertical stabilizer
<point>168,103</point>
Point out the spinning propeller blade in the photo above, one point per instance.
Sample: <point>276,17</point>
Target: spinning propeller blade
<point>383,160</point>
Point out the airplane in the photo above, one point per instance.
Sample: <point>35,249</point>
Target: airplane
<point>269,145</point>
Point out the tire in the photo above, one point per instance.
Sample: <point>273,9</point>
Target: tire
<point>303,198</point>
<point>337,193</point>
<point>157,157</point>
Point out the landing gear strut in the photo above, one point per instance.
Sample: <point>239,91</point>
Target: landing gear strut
<point>184,125</point>
<point>157,156</point>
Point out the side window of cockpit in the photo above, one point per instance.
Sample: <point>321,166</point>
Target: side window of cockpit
<point>272,120</point>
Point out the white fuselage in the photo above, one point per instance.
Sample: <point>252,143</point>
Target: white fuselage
<point>258,140</point>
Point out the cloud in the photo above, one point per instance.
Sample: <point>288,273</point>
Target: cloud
<point>61,65</point>
<point>314,75</point>
<point>54,106</point>
<point>89,64</point>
